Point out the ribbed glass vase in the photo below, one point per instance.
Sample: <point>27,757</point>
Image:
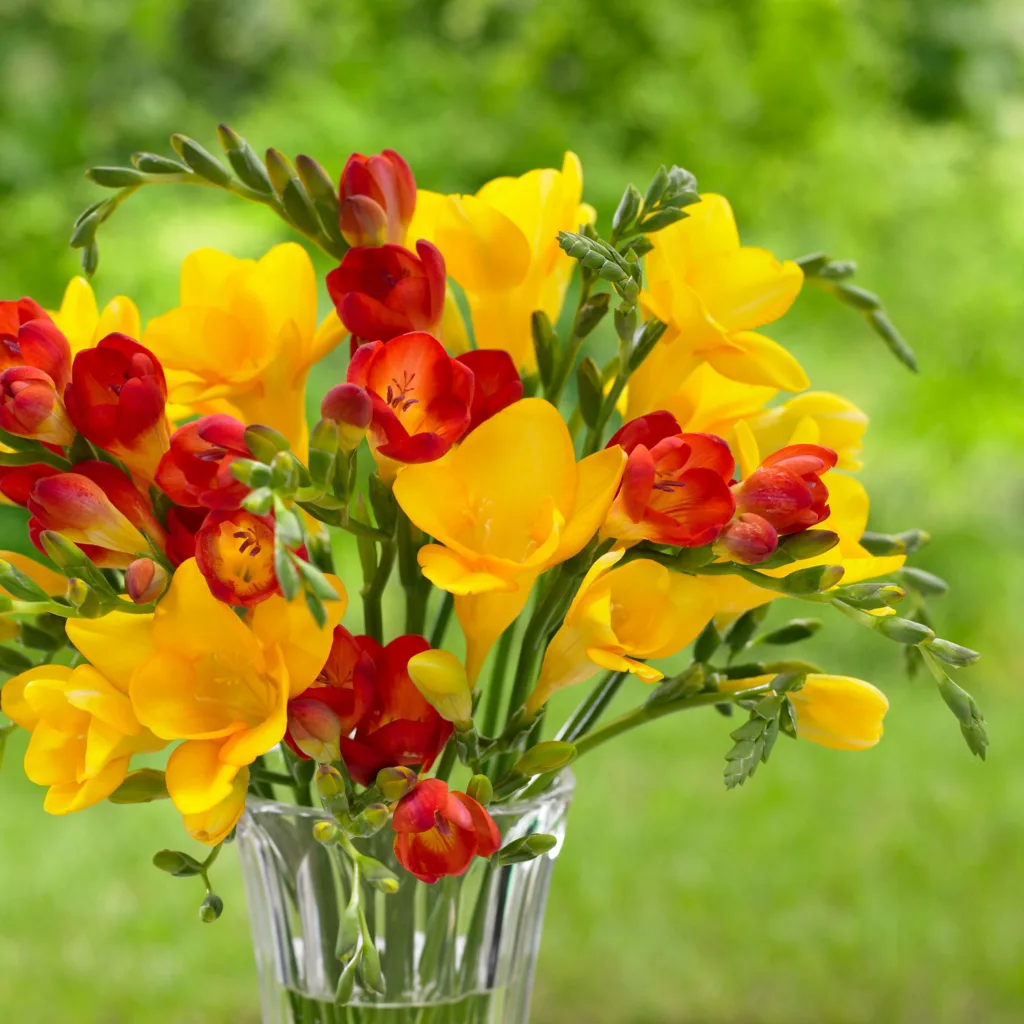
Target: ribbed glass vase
<point>461,951</point>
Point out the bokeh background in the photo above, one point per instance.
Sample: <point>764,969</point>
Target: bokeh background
<point>846,888</point>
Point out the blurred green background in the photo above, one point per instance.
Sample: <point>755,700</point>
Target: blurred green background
<point>834,887</point>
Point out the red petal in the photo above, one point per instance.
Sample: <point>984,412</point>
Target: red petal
<point>646,430</point>
<point>416,810</point>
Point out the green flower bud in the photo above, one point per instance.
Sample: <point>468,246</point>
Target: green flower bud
<point>953,654</point>
<point>211,909</point>
<point>808,544</point>
<point>347,982</point>
<point>203,163</point>
<point>372,819</point>
<point>924,582</point>
<point>549,756</point>
<point>242,157</point>
<point>251,473</point>
<point>591,314</point>
<point>377,875</point>
<point>545,344</point>
<point>526,849</point>
<point>326,833</point>
<point>792,632</point>
<point>591,391</point>
<point>176,863</point>
<point>812,580</point>
<point>153,163</point>
<point>115,177</point>
<point>258,502</point>
<point>330,782</point>
<point>903,631</point>
<point>870,596</point>
<point>141,787</point>
<point>480,790</point>
<point>265,442</point>
<point>628,209</point>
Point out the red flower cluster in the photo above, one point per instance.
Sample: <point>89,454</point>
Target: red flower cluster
<point>784,495</point>
<point>676,486</point>
<point>364,708</point>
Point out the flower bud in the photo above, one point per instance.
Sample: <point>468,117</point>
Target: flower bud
<point>953,654</point>
<point>145,581</point>
<point>377,198</point>
<point>351,408</point>
<point>372,819</point>
<point>30,406</point>
<point>903,631</point>
<point>264,442</point>
<point>441,679</point>
<point>329,781</point>
<point>395,782</point>
<point>176,863</point>
<point>748,539</point>
<point>211,909</point>
<point>378,875</point>
<point>315,728</point>
<point>812,580</point>
<point>326,832</point>
<point>808,543</point>
<point>871,596</point>
<point>528,848</point>
<point>546,757</point>
<point>480,789</point>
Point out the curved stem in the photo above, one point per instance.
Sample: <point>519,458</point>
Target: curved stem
<point>592,707</point>
<point>444,615</point>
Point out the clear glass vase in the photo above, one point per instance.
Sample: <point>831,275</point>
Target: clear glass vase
<point>461,951</point>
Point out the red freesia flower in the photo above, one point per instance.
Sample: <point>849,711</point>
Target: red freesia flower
<point>496,383</point>
<point>421,396</point>
<point>16,482</point>
<point>31,407</point>
<point>440,832</point>
<point>183,523</point>
<point>235,552</point>
<point>377,198</point>
<point>401,727</point>
<point>28,337</point>
<point>98,507</point>
<point>116,399</point>
<point>196,468</point>
<point>675,489</point>
<point>786,490</point>
<point>344,689</point>
<point>383,291</point>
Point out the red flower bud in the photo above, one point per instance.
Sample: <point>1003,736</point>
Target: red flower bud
<point>116,399</point>
<point>377,198</point>
<point>28,337</point>
<point>145,580</point>
<point>235,552</point>
<point>440,832</point>
<point>31,407</point>
<point>345,685</point>
<point>315,729</point>
<point>196,468</point>
<point>421,396</point>
<point>96,506</point>
<point>384,291</point>
<point>496,383</point>
<point>786,489</point>
<point>351,408</point>
<point>748,539</point>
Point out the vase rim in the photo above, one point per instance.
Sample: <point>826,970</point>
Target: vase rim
<point>562,789</point>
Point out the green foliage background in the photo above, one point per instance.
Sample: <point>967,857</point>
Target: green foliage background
<point>834,887</point>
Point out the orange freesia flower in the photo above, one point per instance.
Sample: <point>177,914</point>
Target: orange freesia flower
<point>235,552</point>
<point>377,197</point>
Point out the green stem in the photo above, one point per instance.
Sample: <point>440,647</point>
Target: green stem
<point>572,348</point>
<point>648,713</point>
<point>595,435</point>
<point>340,517</point>
<point>444,616</point>
<point>590,709</point>
<point>373,593</point>
<point>447,760</point>
<point>496,688</point>
<point>417,587</point>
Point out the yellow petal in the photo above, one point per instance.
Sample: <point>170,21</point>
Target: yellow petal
<point>13,701</point>
<point>87,690</point>
<point>329,335</point>
<point>746,450</point>
<point>213,826</point>
<point>484,617</point>
<point>619,663</point>
<point>290,626</point>
<point>76,796</point>
<point>208,276</point>
<point>115,644</point>
<point>285,283</point>
<point>747,288</point>
<point>598,478</point>
<point>54,755</point>
<point>197,779</point>
<point>754,359</point>
<point>119,315</point>
<point>449,571</point>
<point>839,712</point>
<point>483,249</point>
<point>454,335</point>
<point>52,582</point>
<point>78,314</point>
<point>244,747</point>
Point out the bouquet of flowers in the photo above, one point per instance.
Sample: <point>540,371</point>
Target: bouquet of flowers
<point>180,634</point>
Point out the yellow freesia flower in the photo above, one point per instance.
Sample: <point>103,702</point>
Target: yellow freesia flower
<point>833,711</point>
<point>84,733</point>
<point>81,321</point>
<point>713,293</point>
<point>711,403</point>
<point>848,503</point>
<point>198,673</point>
<point>501,246</point>
<point>245,337</point>
<point>505,505</point>
<point>640,610</point>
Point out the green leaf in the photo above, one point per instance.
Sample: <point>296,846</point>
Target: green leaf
<point>13,662</point>
<point>743,629</point>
